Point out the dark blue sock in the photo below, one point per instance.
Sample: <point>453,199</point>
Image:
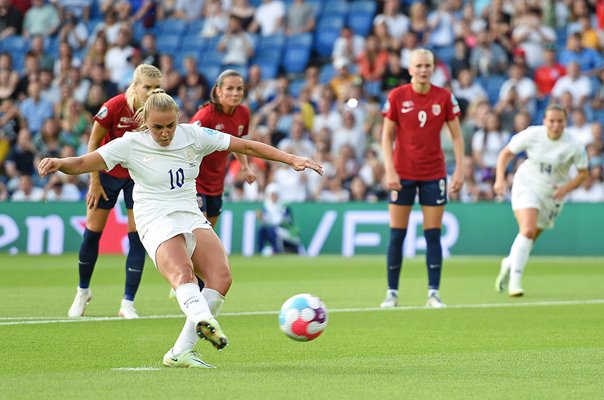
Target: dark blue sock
<point>200,282</point>
<point>394,259</point>
<point>434,257</point>
<point>89,252</point>
<point>134,265</point>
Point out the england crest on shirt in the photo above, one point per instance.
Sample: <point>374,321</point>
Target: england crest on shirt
<point>436,109</point>
<point>219,127</point>
<point>102,113</point>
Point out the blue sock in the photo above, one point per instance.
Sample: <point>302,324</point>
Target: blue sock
<point>89,252</point>
<point>134,265</point>
<point>201,283</point>
<point>434,257</point>
<point>395,256</point>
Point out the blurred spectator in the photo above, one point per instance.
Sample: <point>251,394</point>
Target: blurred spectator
<point>41,19</point>
<point>49,142</point>
<point>580,127</point>
<point>216,20</point>
<point>522,120</point>
<point>109,28</point>
<point>46,61</point>
<point>397,23</point>
<point>418,21</point>
<point>577,85</point>
<point>78,8</point>
<point>592,189</point>
<point>531,35</point>
<point>486,145</point>
<point>327,117</point>
<point>349,133</point>
<point>441,23</point>
<point>116,58</point>
<point>96,98</point>
<point>508,107</point>
<point>291,185</point>
<point>343,80</point>
<point>59,188</point>
<point>27,191</point>
<point>10,120</point>
<point>487,58</point>
<point>590,37</point>
<point>49,87</point>
<point>188,10</point>
<point>466,88</point>
<point>243,10</point>
<point>348,45</point>
<point>148,46</point>
<point>394,75</point>
<point>524,86</point>
<point>298,139</point>
<point>589,60</point>
<point>170,77</point>
<point>269,18</point>
<point>236,44</point>
<point>140,10</point>
<point>461,58</point>
<point>332,190</point>
<point>8,84</point>
<point>546,75</point>
<point>372,61</point>
<point>300,18</point>
<point>11,19</point>
<point>74,32</point>
<point>194,88</point>
<point>98,76</point>
<point>97,51</point>
<point>20,159</point>
<point>3,192</point>
<point>34,109</point>
<point>386,41</point>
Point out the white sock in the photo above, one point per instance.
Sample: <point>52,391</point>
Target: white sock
<point>83,291</point>
<point>505,265</point>
<point>187,339</point>
<point>192,303</point>
<point>432,292</point>
<point>215,300</point>
<point>127,303</point>
<point>519,254</point>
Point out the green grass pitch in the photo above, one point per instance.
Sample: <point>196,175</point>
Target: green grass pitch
<point>547,345</point>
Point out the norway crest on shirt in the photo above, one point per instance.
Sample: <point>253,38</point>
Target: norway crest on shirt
<point>436,109</point>
<point>240,130</point>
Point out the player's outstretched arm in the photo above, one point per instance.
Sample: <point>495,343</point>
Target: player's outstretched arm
<point>72,165</point>
<point>261,150</point>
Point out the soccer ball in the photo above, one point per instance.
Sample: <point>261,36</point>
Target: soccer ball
<point>303,317</point>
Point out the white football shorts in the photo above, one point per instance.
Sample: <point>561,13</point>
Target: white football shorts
<point>526,195</point>
<point>168,226</point>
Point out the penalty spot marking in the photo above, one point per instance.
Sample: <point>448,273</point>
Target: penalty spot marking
<point>45,320</point>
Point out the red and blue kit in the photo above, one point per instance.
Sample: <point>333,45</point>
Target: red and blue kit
<point>210,180</point>
<point>419,119</point>
<point>118,118</point>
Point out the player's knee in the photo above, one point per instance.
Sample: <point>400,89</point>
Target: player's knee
<point>183,275</point>
<point>529,232</point>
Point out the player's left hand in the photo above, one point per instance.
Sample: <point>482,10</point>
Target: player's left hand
<point>249,176</point>
<point>457,181</point>
<point>559,193</point>
<point>302,163</point>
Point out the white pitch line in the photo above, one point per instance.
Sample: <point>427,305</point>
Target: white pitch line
<point>46,320</point>
<point>137,369</point>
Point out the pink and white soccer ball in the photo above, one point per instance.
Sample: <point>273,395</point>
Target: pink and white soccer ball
<point>303,317</point>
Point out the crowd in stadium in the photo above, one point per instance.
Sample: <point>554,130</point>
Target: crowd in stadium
<point>317,74</point>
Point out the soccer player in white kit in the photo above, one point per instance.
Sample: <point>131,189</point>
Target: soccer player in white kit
<point>539,187</point>
<point>163,158</point>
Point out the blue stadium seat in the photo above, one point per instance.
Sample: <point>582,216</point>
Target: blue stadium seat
<point>272,41</point>
<point>360,22</point>
<point>317,6</point>
<point>267,54</point>
<point>171,27</point>
<point>324,40</point>
<point>195,26</point>
<point>335,7</point>
<point>193,44</point>
<point>326,73</point>
<point>300,40</point>
<point>295,59</point>
<point>493,86</point>
<point>168,43</point>
<point>14,44</point>
<point>239,68</point>
<point>330,21</point>
<point>295,86</point>
<point>444,54</point>
<point>269,68</point>
<point>209,71</point>
<point>211,56</point>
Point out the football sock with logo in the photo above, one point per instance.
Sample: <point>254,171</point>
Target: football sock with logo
<point>394,258</point>
<point>434,257</point>
<point>192,303</point>
<point>89,252</point>
<point>519,255</point>
<point>134,265</point>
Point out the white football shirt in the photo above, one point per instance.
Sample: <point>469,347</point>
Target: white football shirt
<point>164,177</point>
<point>549,161</point>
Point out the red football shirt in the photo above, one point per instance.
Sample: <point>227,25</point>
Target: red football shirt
<point>419,119</point>
<point>546,77</point>
<point>212,170</point>
<point>118,118</point>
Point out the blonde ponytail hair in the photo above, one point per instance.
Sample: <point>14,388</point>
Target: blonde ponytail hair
<point>158,100</point>
<point>141,72</point>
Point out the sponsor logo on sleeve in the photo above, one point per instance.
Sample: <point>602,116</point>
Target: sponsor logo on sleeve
<point>102,113</point>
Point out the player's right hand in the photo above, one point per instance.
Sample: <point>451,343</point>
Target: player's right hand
<point>95,191</point>
<point>48,166</point>
<point>499,187</point>
<point>393,182</point>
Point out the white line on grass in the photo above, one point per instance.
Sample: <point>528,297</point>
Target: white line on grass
<point>50,320</point>
<point>137,369</point>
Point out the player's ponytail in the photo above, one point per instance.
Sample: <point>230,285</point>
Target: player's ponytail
<point>158,100</point>
<point>214,100</point>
